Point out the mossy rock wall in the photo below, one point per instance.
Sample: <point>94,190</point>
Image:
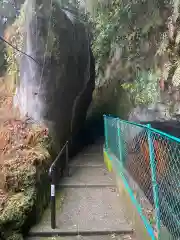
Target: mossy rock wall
<point>55,84</point>
<point>25,208</point>
<point>136,45</point>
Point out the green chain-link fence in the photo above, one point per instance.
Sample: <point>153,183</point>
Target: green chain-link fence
<point>150,163</point>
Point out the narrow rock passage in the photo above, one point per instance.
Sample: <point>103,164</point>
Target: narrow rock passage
<point>88,204</point>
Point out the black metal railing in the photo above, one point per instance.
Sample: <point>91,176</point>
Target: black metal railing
<point>52,175</point>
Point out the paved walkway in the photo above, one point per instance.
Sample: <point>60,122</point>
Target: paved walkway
<point>88,205</point>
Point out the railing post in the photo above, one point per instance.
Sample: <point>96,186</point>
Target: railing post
<point>53,200</point>
<point>67,160</point>
<point>154,179</point>
<point>106,132</point>
<point>119,140</point>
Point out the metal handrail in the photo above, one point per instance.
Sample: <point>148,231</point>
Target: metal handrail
<point>52,175</point>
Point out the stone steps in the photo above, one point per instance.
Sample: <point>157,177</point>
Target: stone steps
<point>88,205</point>
<point>79,237</point>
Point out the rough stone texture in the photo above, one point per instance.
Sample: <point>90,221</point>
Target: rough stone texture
<point>24,208</point>
<point>153,112</point>
<point>54,80</point>
<point>56,85</point>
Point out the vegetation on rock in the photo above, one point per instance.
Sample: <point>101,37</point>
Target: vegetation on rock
<point>25,145</point>
<point>24,154</point>
<point>24,157</point>
<point>136,44</point>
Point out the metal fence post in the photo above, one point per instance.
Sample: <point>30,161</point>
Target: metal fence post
<point>154,179</point>
<point>67,160</point>
<point>119,140</point>
<point>106,132</point>
<point>53,201</point>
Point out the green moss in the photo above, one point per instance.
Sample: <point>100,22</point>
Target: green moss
<point>21,178</point>
<point>15,236</point>
<point>16,209</point>
<point>15,213</point>
<point>42,195</point>
<point>15,32</point>
<point>27,207</point>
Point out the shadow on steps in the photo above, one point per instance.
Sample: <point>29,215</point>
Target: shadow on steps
<point>91,133</point>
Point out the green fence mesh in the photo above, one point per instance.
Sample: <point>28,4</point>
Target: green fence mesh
<point>112,133</point>
<point>150,164</point>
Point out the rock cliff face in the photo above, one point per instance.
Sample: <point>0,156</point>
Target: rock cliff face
<point>55,84</point>
<point>138,50</point>
<point>50,79</point>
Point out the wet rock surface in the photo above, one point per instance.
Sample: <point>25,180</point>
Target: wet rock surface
<point>57,80</point>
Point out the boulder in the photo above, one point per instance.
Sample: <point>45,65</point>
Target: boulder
<point>56,74</point>
<point>153,112</point>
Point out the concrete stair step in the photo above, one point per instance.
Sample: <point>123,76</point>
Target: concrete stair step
<point>92,150</point>
<point>90,159</point>
<point>83,234</point>
<point>86,211</point>
<point>111,236</point>
<point>81,185</point>
<point>88,206</point>
<point>88,176</point>
<point>85,165</point>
